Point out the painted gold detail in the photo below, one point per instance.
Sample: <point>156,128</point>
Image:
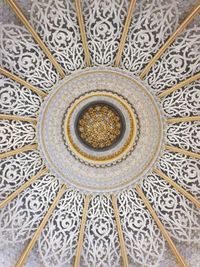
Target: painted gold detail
<point>37,38</point>
<point>22,82</point>
<point>182,151</point>
<point>36,235</point>
<point>23,187</point>
<point>18,150</point>
<point>178,187</point>
<point>183,119</point>
<point>125,32</point>
<point>180,85</point>
<point>18,118</point>
<point>82,229</point>
<point>164,232</point>
<point>171,39</point>
<point>120,233</point>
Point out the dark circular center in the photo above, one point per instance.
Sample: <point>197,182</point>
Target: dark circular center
<point>99,126</point>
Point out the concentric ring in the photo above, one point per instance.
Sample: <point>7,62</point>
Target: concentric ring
<point>104,156</point>
<point>86,173</point>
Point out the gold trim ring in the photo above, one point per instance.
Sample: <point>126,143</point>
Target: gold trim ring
<point>98,159</point>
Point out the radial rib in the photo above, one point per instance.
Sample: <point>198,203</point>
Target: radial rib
<point>183,151</point>
<point>21,16</point>
<point>82,32</point>
<point>81,233</point>
<point>18,150</point>
<point>164,232</point>
<point>180,85</point>
<point>171,39</point>
<point>120,233</point>
<point>178,187</point>
<point>183,119</point>
<point>36,235</point>
<point>17,118</point>
<point>22,82</point>
<point>125,32</point>
<point>23,187</point>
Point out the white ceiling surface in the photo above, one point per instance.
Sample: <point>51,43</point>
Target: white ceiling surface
<point>9,254</point>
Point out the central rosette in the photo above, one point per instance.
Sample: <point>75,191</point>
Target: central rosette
<point>99,126</point>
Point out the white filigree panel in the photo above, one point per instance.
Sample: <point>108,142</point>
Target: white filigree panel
<point>185,135</point>
<point>21,217</point>
<point>15,134</point>
<point>179,216</point>
<point>101,245</point>
<point>183,170</point>
<point>187,99</point>
<point>144,242</point>
<point>58,241</point>
<point>15,170</point>
<point>56,23</point>
<point>180,61</point>
<point>153,22</point>
<point>104,21</point>
<point>22,56</point>
<point>18,100</point>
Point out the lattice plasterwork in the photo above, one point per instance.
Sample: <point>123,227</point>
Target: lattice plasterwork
<point>153,22</point>
<point>22,56</point>
<point>56,23</point>
<point>18,100</point>
<point>15,134</point>
<point>179,216</point>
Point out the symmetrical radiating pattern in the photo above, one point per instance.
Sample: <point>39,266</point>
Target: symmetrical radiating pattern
<point>55,21</point>
<point>104,21</point>
<point>153,22</point>
<point>101,245</point>
<point>82,229</point>
<point>15,134</point>
<point>143,239</point>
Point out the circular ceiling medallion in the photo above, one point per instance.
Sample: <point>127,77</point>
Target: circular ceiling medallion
<point>100,130</point>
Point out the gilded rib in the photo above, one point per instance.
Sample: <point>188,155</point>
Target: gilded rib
<point>22,82</point>
<point>120,233</point>
<point>164,232</point>
<point>47,52</point>
<point>23,187</point>
<point>183,119</point>
<point>17,118</point>
<point>171,39</point>
<point>82,32</point>
<point>36,235</point>
<point>178,187</point>
<point>182,151</point>
<point>125,32</point>
<point>180,85</point>
<point>18,150</point>
<point>81,233</point>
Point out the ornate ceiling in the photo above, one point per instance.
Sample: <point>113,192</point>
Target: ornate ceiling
<point>100,133</point>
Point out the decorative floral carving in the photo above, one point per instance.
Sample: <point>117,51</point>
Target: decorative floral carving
<point>56,22</point>
<point>15,134</point>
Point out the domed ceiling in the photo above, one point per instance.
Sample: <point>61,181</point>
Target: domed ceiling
<point>100,133</point>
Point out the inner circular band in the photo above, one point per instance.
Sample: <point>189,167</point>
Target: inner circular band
<point>120,146</point>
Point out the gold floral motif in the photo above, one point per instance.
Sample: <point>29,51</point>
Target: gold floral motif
<point>100,126</point>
